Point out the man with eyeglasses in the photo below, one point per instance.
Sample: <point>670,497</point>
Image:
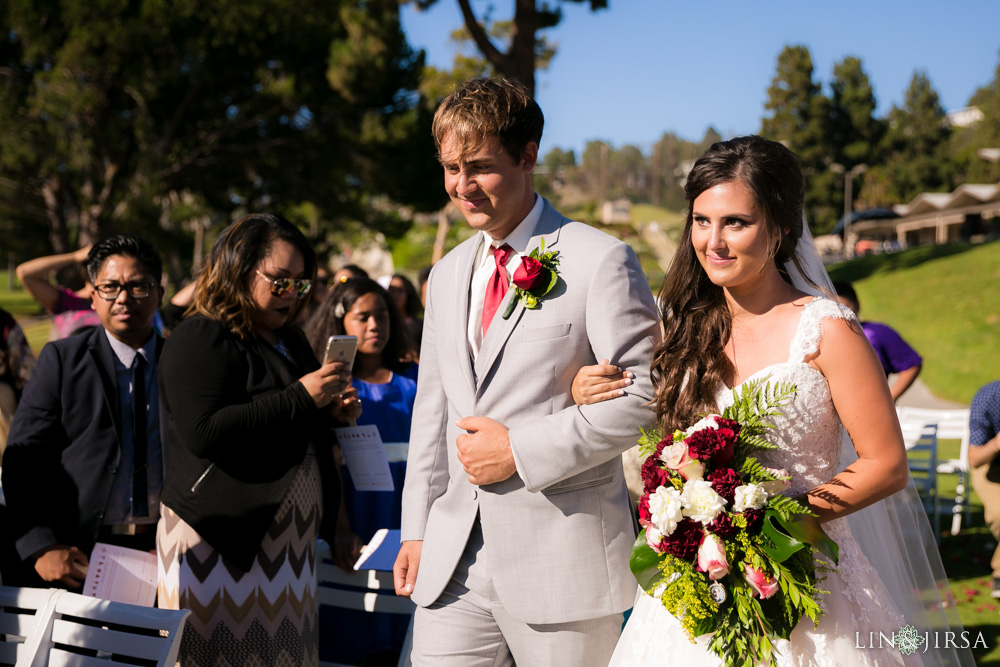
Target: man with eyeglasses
<point>83,461</point>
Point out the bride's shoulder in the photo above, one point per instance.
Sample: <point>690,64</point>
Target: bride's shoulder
<point>824,324</point>
<point>821,307</point>
<point>832,328</point>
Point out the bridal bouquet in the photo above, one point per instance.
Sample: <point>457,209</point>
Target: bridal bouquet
<point>721,548</point>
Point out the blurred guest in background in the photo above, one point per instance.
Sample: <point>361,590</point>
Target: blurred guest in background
<point>16,364</point>
<point>250,472</point>
<point>347,272</point>
<point>422,278</point>
<point>387,384</point>
<point>894,353</point>
<point>410,305</point>
<point>70,309</point>
<point>984,445</point>
<point>83,460</point>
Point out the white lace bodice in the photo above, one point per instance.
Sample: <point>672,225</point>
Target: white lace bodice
<point>809,434</point>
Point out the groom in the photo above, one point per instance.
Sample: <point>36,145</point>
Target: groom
<point>516,523</point>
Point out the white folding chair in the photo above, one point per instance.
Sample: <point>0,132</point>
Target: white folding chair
<point>366,590</point>
<point>86,632</point>
<point>21,611</point>
<point>921,452</point>
<point>952,425</point>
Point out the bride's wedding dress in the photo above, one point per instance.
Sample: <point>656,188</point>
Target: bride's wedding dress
<point>859,605</point>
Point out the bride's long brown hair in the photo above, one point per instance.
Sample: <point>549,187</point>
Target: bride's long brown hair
<point>690,364</point>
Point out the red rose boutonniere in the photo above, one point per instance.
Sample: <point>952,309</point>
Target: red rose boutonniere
<point>535,278</point>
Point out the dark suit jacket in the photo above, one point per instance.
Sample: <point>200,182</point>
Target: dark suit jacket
<point>237,428</point>
<point>64,445</point>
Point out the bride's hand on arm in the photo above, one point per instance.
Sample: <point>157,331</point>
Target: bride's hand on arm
<point>862,399</point>
<point>602,382</point>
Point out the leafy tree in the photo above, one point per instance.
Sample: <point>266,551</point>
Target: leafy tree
<point>967,142</point>
<point>855,130</point>
<point>800,118</point>
<point>110,109</point>
<point>710,137</point>
<point>557,160</point>
<point>524,46</point>
<point>670,154</point>
<point>917,142</point>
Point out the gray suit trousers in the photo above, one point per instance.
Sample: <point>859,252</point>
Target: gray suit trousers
<point>469,627</point>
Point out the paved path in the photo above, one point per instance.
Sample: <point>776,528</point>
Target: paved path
<point>919,396</point>
<point>661,245</point>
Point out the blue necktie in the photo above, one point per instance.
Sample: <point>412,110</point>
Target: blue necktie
<point>140,503</point>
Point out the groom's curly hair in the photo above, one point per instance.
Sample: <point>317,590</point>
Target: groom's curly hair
<point>480,108</point>
<point>690,364</point>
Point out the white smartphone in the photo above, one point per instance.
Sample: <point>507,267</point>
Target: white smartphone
<point>341,348</point>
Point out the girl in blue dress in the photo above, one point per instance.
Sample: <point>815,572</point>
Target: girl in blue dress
<point>386,380</point>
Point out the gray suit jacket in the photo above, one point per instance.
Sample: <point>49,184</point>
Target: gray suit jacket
<point>557,534</point>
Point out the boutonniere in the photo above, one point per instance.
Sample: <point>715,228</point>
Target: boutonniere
<point>535,278</point>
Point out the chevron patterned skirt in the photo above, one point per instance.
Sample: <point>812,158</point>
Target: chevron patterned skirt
<point>266,617</point>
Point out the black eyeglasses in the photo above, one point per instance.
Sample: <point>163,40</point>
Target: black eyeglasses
<point>136,289</point>
<point>281,286</point>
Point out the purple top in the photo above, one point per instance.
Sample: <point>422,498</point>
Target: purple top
<point>71,313</point>
<point>893,352</point>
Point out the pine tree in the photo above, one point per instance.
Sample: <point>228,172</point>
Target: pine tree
<point>800,118</point>
<point>916,143</point>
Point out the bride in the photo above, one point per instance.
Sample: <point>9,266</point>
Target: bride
<point>738,304</point>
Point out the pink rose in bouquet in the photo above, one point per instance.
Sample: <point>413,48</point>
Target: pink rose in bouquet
<point>763,584</point>
<point>528,275</point>
<point>712,557</point>
<point>677,457</point>
<point>777,486</point>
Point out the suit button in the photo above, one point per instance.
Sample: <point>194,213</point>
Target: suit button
<point>475,494</point>
<point>113,470</point>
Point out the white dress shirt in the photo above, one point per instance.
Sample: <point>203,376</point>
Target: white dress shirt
<point>485,266</point>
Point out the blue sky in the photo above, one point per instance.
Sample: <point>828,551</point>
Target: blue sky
<point>644,67</point>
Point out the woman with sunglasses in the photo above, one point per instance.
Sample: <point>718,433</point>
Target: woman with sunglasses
<point>250,476</point>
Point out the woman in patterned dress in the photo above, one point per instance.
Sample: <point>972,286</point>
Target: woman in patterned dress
<point>250,475</point>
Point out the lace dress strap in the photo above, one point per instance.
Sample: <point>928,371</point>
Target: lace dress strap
<point>810,329</point>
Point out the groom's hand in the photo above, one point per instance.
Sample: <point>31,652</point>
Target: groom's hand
<point>404,570</point>
<point>484,450</point>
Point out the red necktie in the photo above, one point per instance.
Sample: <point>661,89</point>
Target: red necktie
<point>497,287</point>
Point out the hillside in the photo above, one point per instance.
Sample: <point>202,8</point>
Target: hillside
<point>945,301</point>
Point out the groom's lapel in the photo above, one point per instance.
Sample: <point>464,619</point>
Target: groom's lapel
<point>496,336</point>
<point>464,282</point>
<point>500,329</point>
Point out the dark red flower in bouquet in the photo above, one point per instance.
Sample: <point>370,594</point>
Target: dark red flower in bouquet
<point>723,526</point>
<point>685,540</point>
<point>724,482</point>
<point>653,475</point>
<point>755,519</point>
<point>714,444</point>
<point>644,514</point>
<point>529,274</point>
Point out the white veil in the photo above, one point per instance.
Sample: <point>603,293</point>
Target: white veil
<point>895,535</point>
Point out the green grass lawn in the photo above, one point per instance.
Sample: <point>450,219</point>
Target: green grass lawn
<point>29,314</point>
<point>945,301</point>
